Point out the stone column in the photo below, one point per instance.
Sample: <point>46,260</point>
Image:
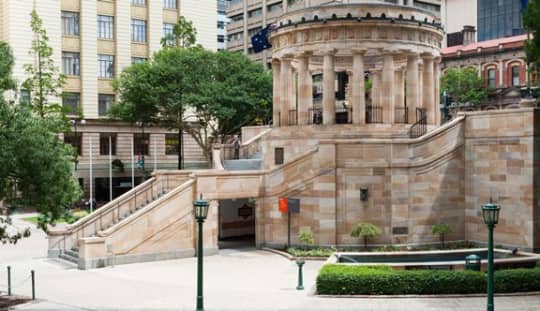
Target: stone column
<point>412,86</point>
<point>388,88</point>
<point>286,87</point>
<point>305,89</point>
<point>329,91</point>
<point>358,91</point>
<point>399,91</point>
<point>437,77</point>
<point>276,104</point>
<point>428,88</point>
<point>501,74</point>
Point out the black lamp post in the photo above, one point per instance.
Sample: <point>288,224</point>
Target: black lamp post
<point>490,212</point>
<point>200,211</point>
<point>74,123</point>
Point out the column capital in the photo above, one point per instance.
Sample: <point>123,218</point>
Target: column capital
<point>392,52</point>
<point>427,56</point>
<point>358,51</point>
<point>437,59</point>
<point>287,58</point>
<point>331,52</point>
<point>304,54</point>
<point>276,61</point>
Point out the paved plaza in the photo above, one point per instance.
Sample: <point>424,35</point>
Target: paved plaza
<point>243,279</point>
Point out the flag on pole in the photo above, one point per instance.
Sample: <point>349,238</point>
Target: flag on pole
<point>259,41</point>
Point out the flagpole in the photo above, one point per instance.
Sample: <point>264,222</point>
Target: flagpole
<point>110,168</point>
<point>132,163</point>
<point>91,177</point>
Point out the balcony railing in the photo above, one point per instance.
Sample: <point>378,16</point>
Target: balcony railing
<point>374,114</point>
<point>315,116</point>
<point>401,115</point>
<point>419,128</point>
<point>344,115</point>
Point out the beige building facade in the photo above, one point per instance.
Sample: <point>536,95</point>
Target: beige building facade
<point>93,41</point>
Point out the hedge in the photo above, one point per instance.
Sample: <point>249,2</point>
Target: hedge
<point>383,280</point>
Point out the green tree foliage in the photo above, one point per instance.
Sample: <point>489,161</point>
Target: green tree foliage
<point>365,231</point>
<point>441,230</point>
<point>6,65</point>
<point>306,237</point>
<point>44,80</point>
<point>184,35</point>
<point>463,85</point>
<point>207,94</point>
<point>35,166</point>
<point>531,21</point>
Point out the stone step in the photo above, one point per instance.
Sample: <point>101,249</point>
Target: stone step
<point>69,256</point>
<point>242,164</point>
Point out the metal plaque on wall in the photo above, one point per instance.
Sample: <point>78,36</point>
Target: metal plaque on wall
<point>294,205</point>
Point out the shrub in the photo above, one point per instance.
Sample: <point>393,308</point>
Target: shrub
<point>365,230</point>
<point>382,280</point>
<point>317,252</point>
<point>441,230</point>
<point>306,237</point>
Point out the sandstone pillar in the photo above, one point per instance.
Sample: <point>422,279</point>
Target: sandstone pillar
<point>420,86</point>
<point>412,86</point>
<point>286,90</point>
<point>428,88</point>
<point>329,91</point>
<point>388,88</point>
<point>399,95</point>
<point>437,77</point>
<point>276,104</point>
<point>358,97</point>
<point>376,88</point>
<point>305,96</point>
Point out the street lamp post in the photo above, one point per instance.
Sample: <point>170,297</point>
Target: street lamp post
<point>490,213</point>
<point>74,123</point>
<point>200,211</point>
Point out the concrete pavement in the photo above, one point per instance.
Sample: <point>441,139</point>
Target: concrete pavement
<point>234,280</point>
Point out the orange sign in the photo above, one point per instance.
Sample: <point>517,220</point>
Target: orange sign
<point>283,205</point>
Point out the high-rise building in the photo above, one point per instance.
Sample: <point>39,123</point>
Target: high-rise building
<point>92,42</point>
<point>222,21</point>
<point>249,16</point>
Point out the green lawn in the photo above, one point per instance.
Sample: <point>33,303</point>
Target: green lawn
<point>75,216</point>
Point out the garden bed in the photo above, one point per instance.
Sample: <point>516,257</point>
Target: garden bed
<point>383,280</point>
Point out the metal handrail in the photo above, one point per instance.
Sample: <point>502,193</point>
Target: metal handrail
<point>419,128</point>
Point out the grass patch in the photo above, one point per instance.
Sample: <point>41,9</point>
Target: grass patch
<point>69,218</point>
<point>383,280</point>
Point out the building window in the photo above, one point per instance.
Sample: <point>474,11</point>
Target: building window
<point>491,78</point>
<point>75,141</point>
<point>167,32</point>
<point>253,31</point>
<point>105,27</point>
<point>70,23</point>
<point>171,144</point>
<point>169,4</point>
<point>221,25</point>
<point>141,143</point>
<point>255,13</point>
<point>25,97</point>
<point>105,66</point>
<point>237,18</point>
<point>278,156</point>
<point>136,60</point>
<point>138,30</point>
<point>138,2</point>
<point>236,36</point>
<point>70,102</point>
<point>274,7</point>
<point>104,143</point>
<point>220,38</point>
<point>515,76</point>
<point>105,102</point>
<point>71,63</point>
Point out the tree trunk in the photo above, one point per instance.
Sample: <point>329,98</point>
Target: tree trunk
<point>180,148</point>
<point>365,242</point>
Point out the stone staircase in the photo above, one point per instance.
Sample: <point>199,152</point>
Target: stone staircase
<point>252,163</point>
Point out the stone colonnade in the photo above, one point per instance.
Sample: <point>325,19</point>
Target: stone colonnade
<point>405,79</point>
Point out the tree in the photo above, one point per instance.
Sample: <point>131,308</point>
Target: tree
<point>6,65</point>
<point>441,230</point>
<point>35,166</point>
<point>365,231</point>
<point>531,21</point>
<point>44,81</point>
<point>463,85</point>
<point>184,35</point>
<point>306,237</point>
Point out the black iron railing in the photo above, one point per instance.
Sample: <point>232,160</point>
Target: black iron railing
<point>401,115</point>
<point>374,114</point>
<point>419,128</point>
<point>315,116</point>
<point>344,115</point>
<point>293,117</point>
